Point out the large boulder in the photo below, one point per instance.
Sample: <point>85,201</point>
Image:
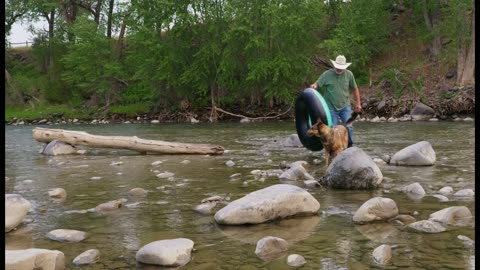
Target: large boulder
<point>454,215</point>
<point>422,112</point>
<point>270,247</point>
<point>419,154</point>
<point>169,252</point>
<point>375,209</point>
<point>56,147</point>
<point>16,208</point>
<point>277,201</point>
<point>352,169</point>
<point>34,258</point>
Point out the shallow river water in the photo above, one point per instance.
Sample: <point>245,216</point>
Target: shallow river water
<point>328,240</point>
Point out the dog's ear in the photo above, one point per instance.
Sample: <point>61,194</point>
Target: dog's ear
<point>319,120</point>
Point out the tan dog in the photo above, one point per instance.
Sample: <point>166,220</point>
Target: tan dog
<point>334,140</point>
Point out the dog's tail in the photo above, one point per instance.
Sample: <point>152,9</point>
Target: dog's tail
<point>352,118</point>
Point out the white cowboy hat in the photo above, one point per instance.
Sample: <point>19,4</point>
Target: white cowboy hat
<point>340,62</point>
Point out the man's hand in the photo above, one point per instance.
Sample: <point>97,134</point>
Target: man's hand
<point>358,107</point>
<point>313,85</point>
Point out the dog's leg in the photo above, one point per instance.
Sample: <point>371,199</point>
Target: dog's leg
<point>327,154</point>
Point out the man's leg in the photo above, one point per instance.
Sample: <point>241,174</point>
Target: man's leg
<point>345,114</point>
<point>334,115</point>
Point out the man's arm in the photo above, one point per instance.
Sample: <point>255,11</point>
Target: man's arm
<point>358,106</point>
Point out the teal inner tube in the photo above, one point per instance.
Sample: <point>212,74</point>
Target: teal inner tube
<point>309,106</point>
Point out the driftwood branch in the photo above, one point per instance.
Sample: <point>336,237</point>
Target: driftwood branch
<point>123,142</point>
<point>252,118</point>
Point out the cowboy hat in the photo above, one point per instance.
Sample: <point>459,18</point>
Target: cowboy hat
<point>340,62</point>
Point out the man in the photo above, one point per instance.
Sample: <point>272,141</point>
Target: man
<point>337,84</point>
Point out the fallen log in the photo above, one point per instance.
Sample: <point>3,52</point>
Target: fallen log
<point>123,142</point>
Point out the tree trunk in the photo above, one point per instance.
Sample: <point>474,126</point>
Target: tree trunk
<point>431,14</point>
<point>468,76</point>
<point>110,18</point>
<point>123,142</point>
<point>98,8</point>
<point>51,28</point>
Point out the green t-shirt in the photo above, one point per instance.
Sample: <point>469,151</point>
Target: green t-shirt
<point>336,88</point>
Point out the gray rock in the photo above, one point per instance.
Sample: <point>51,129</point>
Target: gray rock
<point>16,208</point>
<point>466,240</point>
<point>292,141</point>
<point>58,193</point>
<point>446,190</point>
<point>415,189</point>
<point>419,154</point>
<point>296,171</point>
<point>377,208</point>
<point>155,121</point>
<point>109,206</point>
<point>56,147</point>
<point>381,105</point>
<point>310,183</point>
<point>270,247</point>
<point>440,197</point>
<point>158,162</point>
<point>376,119</point>
<point>455,215</point>
<point>88,257</point>
<point>422,112</point>
<point>404,219</point>
<point>382,254</point>
<point>277,201</point>
<point>170,252</point>
<point>137,192</point>
<point>295,260</point>
<point>465,192</point>
<point>427,226</point>
<point>165,175</point>
<point>230,163</point>
<point>352,169</point>
<point>205,208</point>
<point>63,235</point>
<point>33,259</point>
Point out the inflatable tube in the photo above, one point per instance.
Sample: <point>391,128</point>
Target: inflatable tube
<point>308,107</point>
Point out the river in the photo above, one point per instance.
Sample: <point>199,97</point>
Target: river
<point>327,241</point>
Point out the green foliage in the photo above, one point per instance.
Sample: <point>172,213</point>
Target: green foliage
<point>44,111</point>
<point>130,110</point>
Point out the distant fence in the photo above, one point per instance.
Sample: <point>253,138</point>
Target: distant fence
<point>20,44</point>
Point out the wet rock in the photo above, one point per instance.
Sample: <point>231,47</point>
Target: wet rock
<point>277,201</point>
<point>446,190</point>
<point>419,154</point>
<point>170,252</point>
<point>382,254</point>
<point>205,208</point>
<point>386,158</point>
<point>236,176</point>
<point>185,161</point>
<point>422,112</point>
<point>468,119</point>
<point>213,199</point>
<point>376,119</point>
<point>381,105</point>
<point>454,215</point>
<point>465,192</point>
<point>377,208</point>
<point>58,193</point>
<point>405,118</point>
<point>109,206</point>
<point>427,226</point>
<point>296,171</point>
<point>270,247</point>
<point>137,192</point>
<point>466,240</point>
<point>310,183</point>
<point>292,141</point>
<point>33,259</point>
<point>440,198</point>
<point>415,189</point>
<point>118,163</point>
<point>296,260</point>
<point>244,120</point>
<point>379,161</point>
<point>56,147</point>
<point>392,120</point>
<point>155,121</point>
<point>158,162</point>
<point>405,219</point>
<point>88,257</point>
<point>16,208</point>
<point>63,235</point>
<point>193,120</point>
<point>230,163</point>
<point>352,169</point>
<point>165,175</point>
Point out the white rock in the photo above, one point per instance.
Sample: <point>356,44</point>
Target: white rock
<point>185,161</point>
<point>465,192</point>
<point>414,188</point>
<point>295,260</point>
<point>88,257</point>
<point>171,252</point>
<point>455,215</point>
<point>158,162</point>
<point>277,201</point>
<point>230,163</point>
<point>16,208</point>
<point>58,193</point>
<point>269,247</point>
<point>440,197</point>
<point>155,121</point>
<point>466,240</point>
<point>377,208</point>
<point>310,183</point>
<point>109,206</point>
<point>418,154</point>
<point>165,175</point>
<point>34,258</point>
<point>427,226</point>
<point>63,235</point>
<point>446,190</point>
<point>467,119</point>
<point>382,254</point>
<point>205,208</point>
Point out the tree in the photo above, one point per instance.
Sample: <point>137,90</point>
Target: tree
<point>466,50</point>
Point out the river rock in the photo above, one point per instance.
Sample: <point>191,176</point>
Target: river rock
<point>205,208</point>
<point>270,247</point>
<point>446,190</point>
<point>310,183</point>
<point>63,235</point>
<point>296,171</point>
<point>296,260</point>
<point>419,154</point>
<point>422,112</point>
<point>465,192</point>
<point>109,206</point>
<point>404,219</point>
<point>16,208</point>
<point>277,201</point>
<point>352,169</point>
<point>58,193</point>
<point>56,147</point>
<point>33,259</point>
<point>165,175</point>
<point>415,189</point>
<point>466,240</point>
<point>169,252</point>
<point>382,254</point>
<point>137,192</point>
<point>377,208</point>
<point>376,119</point>
<point>230,163</point>
<point>292,141</point>
<point>440,197</point>
<point>454,215</point>
<point>427,226</point>
<point>88,257</point>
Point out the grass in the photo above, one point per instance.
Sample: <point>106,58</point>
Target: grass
<point>41,112</point>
